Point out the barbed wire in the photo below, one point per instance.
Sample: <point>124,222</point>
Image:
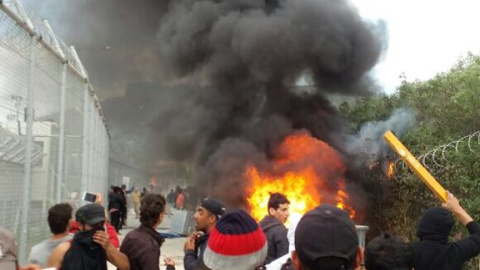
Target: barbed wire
<point>437,159</point>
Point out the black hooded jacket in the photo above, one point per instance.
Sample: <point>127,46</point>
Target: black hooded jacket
<point>84,253</point>
<point>276,235</point>
<point>193,259</point>
<point>433,252</point>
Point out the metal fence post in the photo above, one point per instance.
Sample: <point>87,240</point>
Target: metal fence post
<point>85,146</point>
<point>90,142</point>
<point>27,180</point>
<point>61,135</point>
<point>94,145</point>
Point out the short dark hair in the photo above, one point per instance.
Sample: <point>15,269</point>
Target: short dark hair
<point>387,252</point>
<point>276,199</point>
<point>59,217</point>
<point>151,206</point>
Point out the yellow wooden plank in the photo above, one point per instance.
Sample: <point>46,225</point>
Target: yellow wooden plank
<point>416,166</point>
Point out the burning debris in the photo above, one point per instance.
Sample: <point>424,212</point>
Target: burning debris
<point>390,169</point>
<point>306,170</point>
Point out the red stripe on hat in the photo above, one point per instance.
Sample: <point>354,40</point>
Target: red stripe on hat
<point>238,244</point>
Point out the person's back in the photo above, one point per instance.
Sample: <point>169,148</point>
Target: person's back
<point>388,252</point>
<point>136,196</point>
<point>180,202</point>
<point>326,239</point>
<point>59,218</point>
<point>433,250</point>
<point>171,197</point>
<point>235,243</point>
<point>142,245</point>
<point>40,252</point>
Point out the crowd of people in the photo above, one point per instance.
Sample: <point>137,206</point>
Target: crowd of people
<point>324,238</point>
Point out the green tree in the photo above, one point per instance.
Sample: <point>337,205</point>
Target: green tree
<point>447,108</point>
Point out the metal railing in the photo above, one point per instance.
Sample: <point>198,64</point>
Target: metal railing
<point>54,142</point>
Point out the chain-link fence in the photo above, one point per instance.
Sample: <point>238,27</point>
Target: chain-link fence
<point>54,143</point>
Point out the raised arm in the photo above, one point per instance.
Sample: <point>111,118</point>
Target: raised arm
<point>470,246</point>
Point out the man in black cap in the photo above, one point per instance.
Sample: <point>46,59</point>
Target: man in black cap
<point>326,239</point>
<point>208,213</point>
<point>90,248</point>
<point>433,250</point>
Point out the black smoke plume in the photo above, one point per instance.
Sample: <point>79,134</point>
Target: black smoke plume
<point>115,39</point>
<point>248,56</point>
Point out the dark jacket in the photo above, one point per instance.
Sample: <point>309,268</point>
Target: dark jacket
<point>276,235</point>
<point>193,259</point>
<point>142,247</point>
<point>114,201</point>
<point>84,253</point>
<point>433,250</point>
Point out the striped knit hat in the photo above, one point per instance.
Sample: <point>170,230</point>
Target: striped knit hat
<point>235,243</point>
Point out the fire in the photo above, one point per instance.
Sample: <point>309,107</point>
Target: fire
<point>390,170</point>
<point>306,170</point>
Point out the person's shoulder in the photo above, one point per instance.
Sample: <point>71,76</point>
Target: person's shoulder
<point>39,246</point>
<point>131,235</point>
<point>280,228</point>
<point>134,235</point>
<point>64,246</point>
<point>59,252</point>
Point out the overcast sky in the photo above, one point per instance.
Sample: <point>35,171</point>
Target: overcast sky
<point>425,37</point>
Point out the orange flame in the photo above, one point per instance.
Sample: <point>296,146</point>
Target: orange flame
<point>303,169</point>
<point>390,170</point>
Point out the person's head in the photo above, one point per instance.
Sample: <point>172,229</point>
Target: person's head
<point>236,242</point>
<point>8,250</point>
<point>59,217</point>
<point>278,206</point>
<point>208,212</point>
<point>326,239</point>
<point>388,252</point>
<point>152,210</point>
<point>436,224</point>
<point>90,217</point>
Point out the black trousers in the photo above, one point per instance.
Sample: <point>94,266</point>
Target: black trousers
<point>124,215</point>
<point>115,220</point>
